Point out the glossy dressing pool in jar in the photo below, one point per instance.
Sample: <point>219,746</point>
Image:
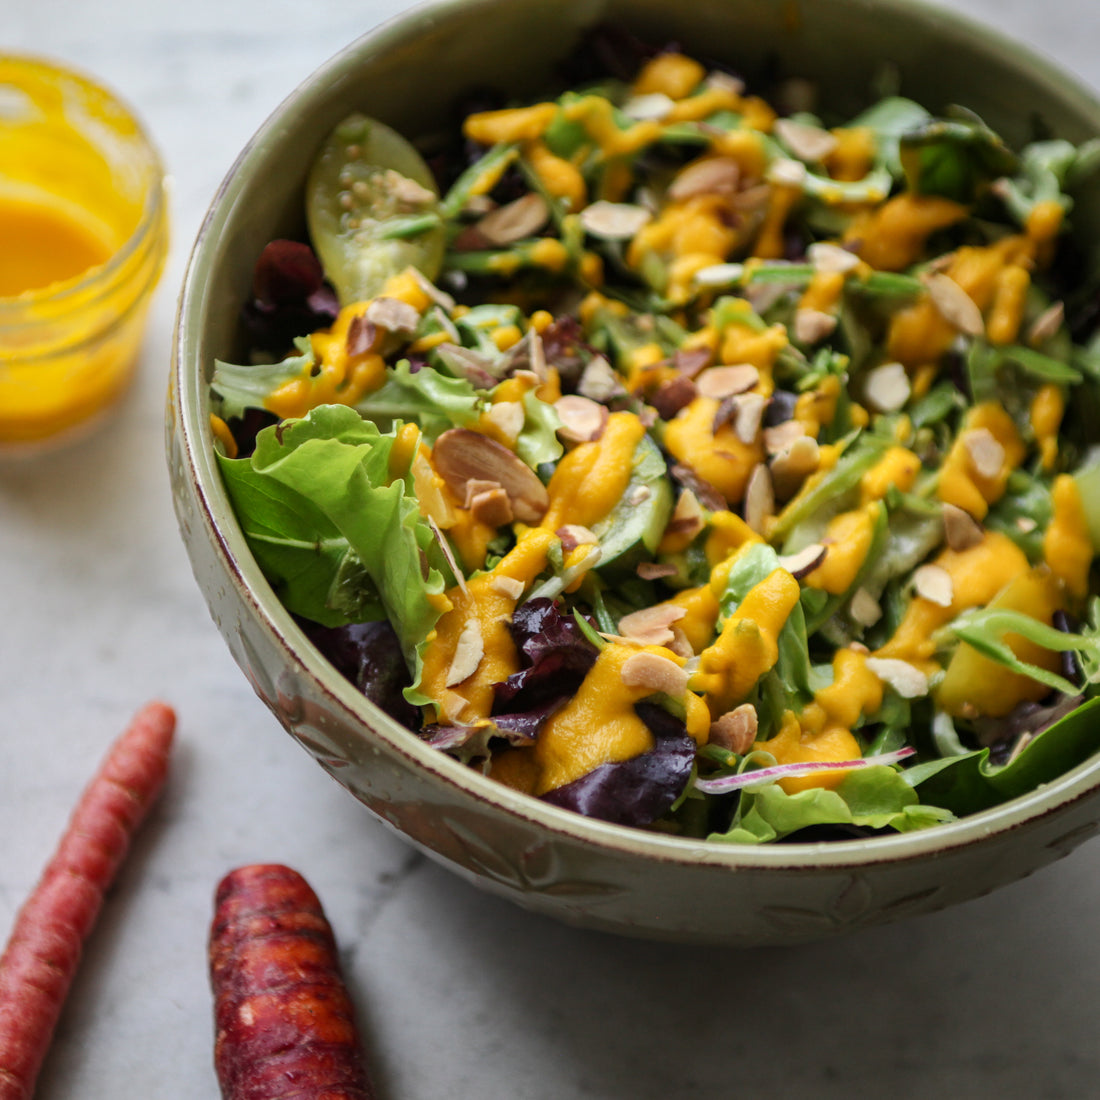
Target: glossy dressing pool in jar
<point>83,237</point>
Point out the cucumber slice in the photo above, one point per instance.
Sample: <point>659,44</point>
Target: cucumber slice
<point>629,534</point>
<point>372,207</point>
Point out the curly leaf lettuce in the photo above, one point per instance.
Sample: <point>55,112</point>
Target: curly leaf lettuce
<point>330,471</point>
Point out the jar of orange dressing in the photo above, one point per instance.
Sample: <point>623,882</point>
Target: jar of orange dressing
<point>83,237</point>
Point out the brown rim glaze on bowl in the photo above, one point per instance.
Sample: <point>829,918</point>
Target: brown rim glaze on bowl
<point>580,870</point>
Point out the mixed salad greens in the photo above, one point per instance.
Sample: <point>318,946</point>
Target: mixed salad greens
<point>687,458</point>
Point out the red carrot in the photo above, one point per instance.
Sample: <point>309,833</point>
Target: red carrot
<point>285,1023</point>
<point>41,957</point>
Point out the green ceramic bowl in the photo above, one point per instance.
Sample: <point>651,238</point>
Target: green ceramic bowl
<point>558,863</point>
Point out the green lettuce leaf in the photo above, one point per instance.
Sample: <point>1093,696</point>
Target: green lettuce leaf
<point>246,386</point>
<point>427,398</point>
<point>876,797</point>
<point>332,467</point>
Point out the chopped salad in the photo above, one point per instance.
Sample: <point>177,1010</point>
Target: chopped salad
<point>688,458</point>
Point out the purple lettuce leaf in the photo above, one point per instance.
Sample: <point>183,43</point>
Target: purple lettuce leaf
<point>289,297</point>
<point>369,655</point>
<point>640,790</point>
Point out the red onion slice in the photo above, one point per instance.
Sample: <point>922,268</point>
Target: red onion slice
<point>723,784</point>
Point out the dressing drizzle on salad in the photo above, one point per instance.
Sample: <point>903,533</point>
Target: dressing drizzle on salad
<point>708,467</point>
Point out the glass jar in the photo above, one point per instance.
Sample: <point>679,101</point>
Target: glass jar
<point>83,238</point>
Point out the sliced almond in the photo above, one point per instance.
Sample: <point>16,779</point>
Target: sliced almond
<point>515,220</point>
<point>392,314</point>
<point>654,673</point>
<point>440,297</point>
<point>654,105</point>
<point>719,275</point>
<point>460,454</point>
<point>476,486</point>
<point>748,415</point>
<point>614,221</point>
<point>511,587</point>
<point>654,570</point>
<point>509,417</point>
<point>725,82</point>
<point>582,419</point>
<point>710,176</point>
<point>651,625</point>
<point>864,608</point>
<point>792,466</point>
<point>719,382</point>
<point>809,143</point>
<point>361,336</point>
<point>690,361</point>
<point>953,304</point>
<point>804,561</point>
<point>573,535</point>
<point>492,507</point>
<point>687,516</point>
<point>812,325</point>
<point>1046,325</point>
<point>779,437</point>
<point>828,257</point>
<point>887,387</point>
<point>986,454</point>
<point>933,583</point>
<point>906,679</point>
<point>469,650</point>
<point>736,729</point>
<point>759,498</point>
<point>639,495</point>
<point>786,172</point>
<point>479,370</point>
<point>453,705</point>
<point>599,381</point>
<point>961,530</point>
<point>1025,524</point>
<point>673,395</point>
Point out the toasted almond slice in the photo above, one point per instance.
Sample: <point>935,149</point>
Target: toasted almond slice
<point>655,673</point>
<point>599,381</point>
<point>961,530</point>
<point>748,415</point>
<point>614,221</point>
<point>651,625</point>
<point>654,570</point>
<point>492,507</point>
<point>407,191</point>
<point>453,705</point>
<point>515,220</point>
<point>953,304</point>
<point>511,587</point>
<point>460,454</point>
<point>719,274</point>
<point>508,416</point>
<point>719,382</point>
<point>440,297</point>
<point>933,583</point>
<point>804,561</point>
<point>392,314</point>
<point>654,105</point>
<point>759,498</point>
<point>779,437</point>
<point>710,176</point>
<point>987,456</point>
<point>809,143</point>
<point>736,729</point>
<point>361,336</point>
<point>639,495</point>
<point>687,516</point>
<point>786,172</point>
<point>573,535</point>
<point>812,325</point>
<point>887,387</point>
<point>828,257</point>
<point>582,419</point>
<point>864,608</point>
<point>792,466</point>
<point>469,650</point>
<point>906,679</point>
<point>448,554</point>
<point>476,486</point>
<point>725,82</point>
<point>672,396</point>
<point>1046,324</point>
<point>1025,524</point>
<point>690,361</point>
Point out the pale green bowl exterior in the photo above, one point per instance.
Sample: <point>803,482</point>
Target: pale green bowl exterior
<point>579,870</point>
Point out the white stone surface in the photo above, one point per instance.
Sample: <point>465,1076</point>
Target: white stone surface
<point>460,994</point>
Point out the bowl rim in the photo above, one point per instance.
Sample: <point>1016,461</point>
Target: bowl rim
<point>194,440</point>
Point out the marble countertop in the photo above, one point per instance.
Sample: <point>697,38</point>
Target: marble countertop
<point>460,994</point>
